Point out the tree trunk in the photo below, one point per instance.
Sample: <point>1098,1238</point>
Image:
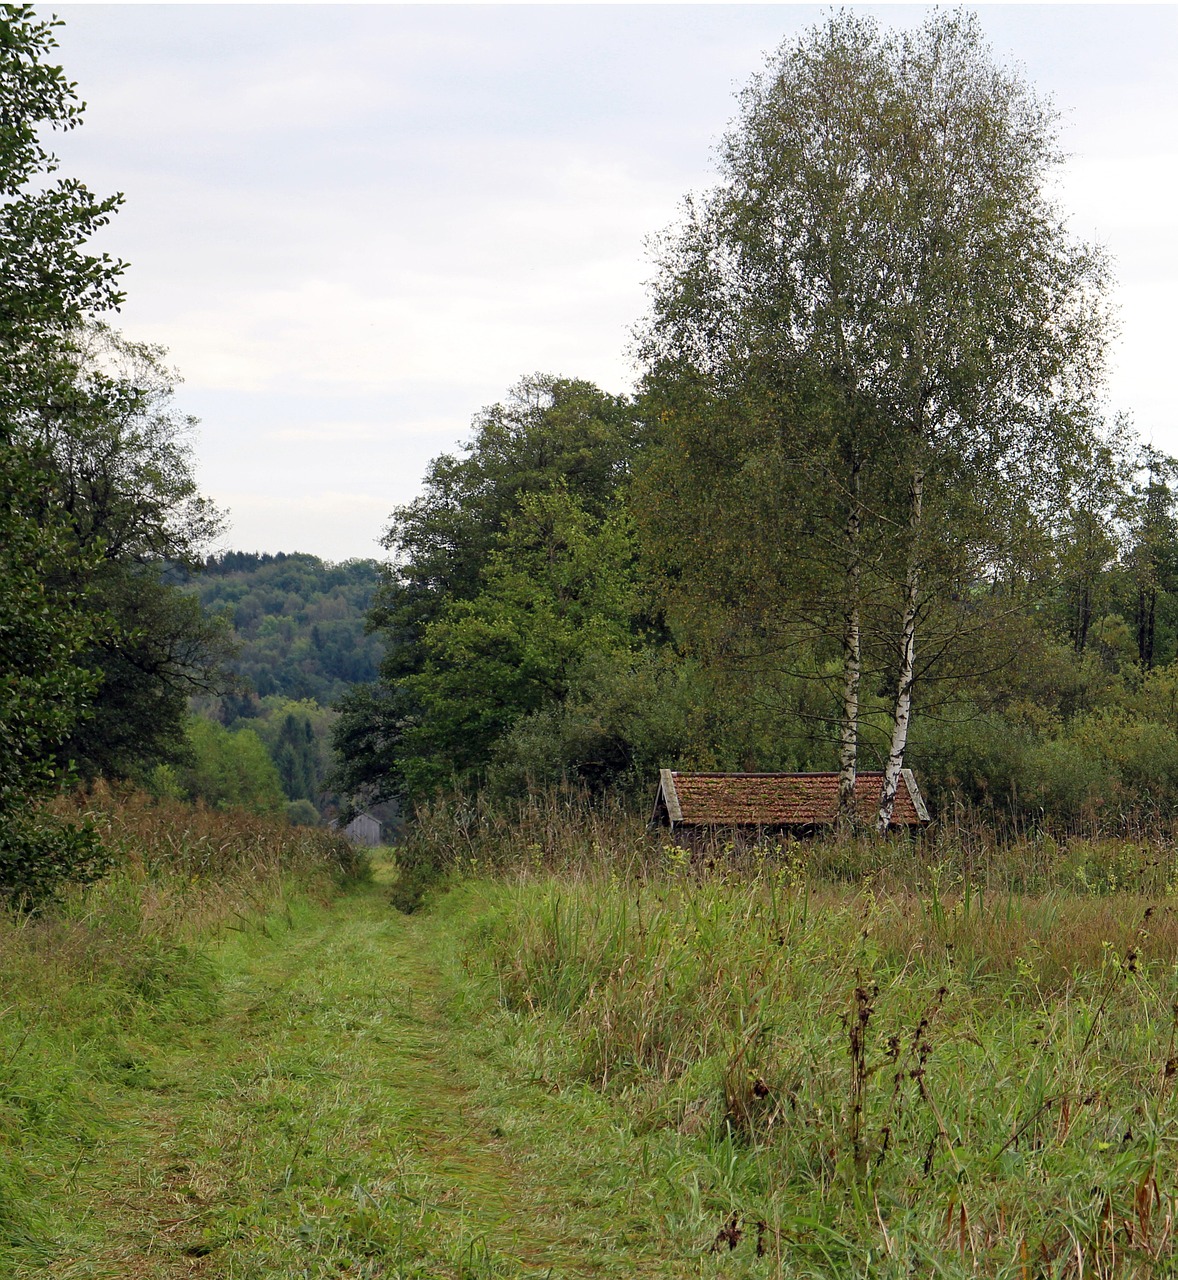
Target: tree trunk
<point>852,661</point>
<point>1151,614</point>
<point>903,711</point>
<point>1083,615</point>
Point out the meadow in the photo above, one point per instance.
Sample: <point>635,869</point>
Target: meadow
<point>552,1043</point>
<point>948,1056</point>
<point>93,984</point>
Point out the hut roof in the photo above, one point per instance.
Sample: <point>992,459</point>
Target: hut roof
<point>776,799</point>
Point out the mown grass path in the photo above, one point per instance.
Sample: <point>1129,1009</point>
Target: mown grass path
<point>342,1115</point>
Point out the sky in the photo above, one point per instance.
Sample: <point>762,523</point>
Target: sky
<point>354,226</point>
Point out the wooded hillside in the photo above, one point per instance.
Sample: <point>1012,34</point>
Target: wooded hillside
<point>298,621</point>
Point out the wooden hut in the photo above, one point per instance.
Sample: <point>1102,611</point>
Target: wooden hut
<point>699,803</point>
<point>364,829</point>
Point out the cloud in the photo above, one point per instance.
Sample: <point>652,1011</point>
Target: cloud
<point>355,226</point>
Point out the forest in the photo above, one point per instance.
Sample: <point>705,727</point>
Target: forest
<point>299,641</point>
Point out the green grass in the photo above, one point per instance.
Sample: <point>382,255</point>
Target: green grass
<point>666,1071</point>
<point>345,1112</point>
<point>889,1084</point>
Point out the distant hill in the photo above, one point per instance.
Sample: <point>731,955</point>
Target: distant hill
<point>299,621</point>
<point>299,626</point>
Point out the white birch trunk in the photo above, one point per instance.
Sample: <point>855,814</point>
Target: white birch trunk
<point>852,665</point>
<point>903,709</point>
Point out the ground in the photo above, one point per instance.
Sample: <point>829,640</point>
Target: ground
<point>345,1115</point>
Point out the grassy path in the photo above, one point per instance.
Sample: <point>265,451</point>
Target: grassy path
<point>343,1116</point>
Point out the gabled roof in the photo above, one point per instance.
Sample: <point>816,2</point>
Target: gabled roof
<point>776,799</point>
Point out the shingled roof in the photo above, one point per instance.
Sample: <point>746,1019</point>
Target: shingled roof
<point>776,799</point>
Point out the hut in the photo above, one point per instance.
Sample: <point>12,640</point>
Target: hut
<point>364,829</point>
<point>694,804</point>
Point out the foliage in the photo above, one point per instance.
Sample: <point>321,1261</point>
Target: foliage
<point>44,692</point>
<point>97,653</point>
<point>902,344</point>
<point>494,596</point>
<point>296,751</point>
<point>117,468</point>
<point>299,624</point>
<point>302,813</point>
<point>225,770</point>
<point>864,509</point>
<point>48,285</point>
<point>39,854</point>
<point>558,591</point>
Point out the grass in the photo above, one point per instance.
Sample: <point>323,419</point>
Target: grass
<point>347,1108</point>
<point>607,1058</point>
<point>92,987</point>
<point>872,1083</point>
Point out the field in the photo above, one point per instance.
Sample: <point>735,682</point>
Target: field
<point>590,1054</point>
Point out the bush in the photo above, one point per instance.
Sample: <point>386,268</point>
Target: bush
<point>302,813</point>
<point>228,770</point>
<point>39,853</point>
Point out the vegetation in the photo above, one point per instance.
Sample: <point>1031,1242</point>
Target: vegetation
<point>863,510</point>
<point>95,985</point>
<point>865,475</point>
<point>952,1057</point>
<point>299,640</point>
<point>299,624</point>
<point>98,652</point>
<point>598,1058</point>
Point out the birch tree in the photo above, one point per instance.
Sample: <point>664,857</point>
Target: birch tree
<point>884,223</point>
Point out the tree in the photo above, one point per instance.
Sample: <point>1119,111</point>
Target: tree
<point>1154,554</point>
<point>558,591</point>
<point>48,285</point>
<point>230,770</point>
<point>884,273</point>
<point>549,431</point>
<point>550,434</point>
<point>116,467</point>
<point>1091,531</point>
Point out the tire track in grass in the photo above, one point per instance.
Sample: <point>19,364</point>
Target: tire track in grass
<point>323,1125</point>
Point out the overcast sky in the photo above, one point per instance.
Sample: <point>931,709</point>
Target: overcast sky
<point>354,226</point>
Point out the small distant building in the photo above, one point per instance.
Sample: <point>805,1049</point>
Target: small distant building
<point>364,829</point>
<point>698,803</point>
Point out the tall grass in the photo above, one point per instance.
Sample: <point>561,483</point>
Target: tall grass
<point>569,831</point>
<point>95,977</point>
<point>945,1056</point>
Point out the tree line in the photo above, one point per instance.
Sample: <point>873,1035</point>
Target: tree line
<point>867,506</point>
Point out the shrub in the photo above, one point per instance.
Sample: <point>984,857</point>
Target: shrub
<point>39,853</point>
